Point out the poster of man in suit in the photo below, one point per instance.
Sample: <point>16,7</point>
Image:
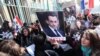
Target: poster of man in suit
<point>52,24</point>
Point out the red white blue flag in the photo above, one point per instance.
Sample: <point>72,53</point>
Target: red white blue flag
<point>17,23</point>
<point>87,4</point>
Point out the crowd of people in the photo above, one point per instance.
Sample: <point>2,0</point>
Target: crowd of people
<point>81,32</point>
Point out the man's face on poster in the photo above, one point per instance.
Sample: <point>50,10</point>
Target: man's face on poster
<point>53,22</point>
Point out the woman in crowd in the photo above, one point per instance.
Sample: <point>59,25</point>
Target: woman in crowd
<point>39,41</point>
<point>6,32</point>
<point>12,48</point>
<point>35,28</point>
<point>90,43</point>
<point>75,33</point>
<point>79,28</point>
<point>95,22</point>
<point>24,39</point>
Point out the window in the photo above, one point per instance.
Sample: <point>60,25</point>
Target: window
<point>9,2</point>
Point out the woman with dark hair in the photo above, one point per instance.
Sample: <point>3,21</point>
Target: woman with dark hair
<point>77,30</point>
<point>90,43</point>
<point>39,41</point>
<point>6,32</point>
<point>24,38</point>
<point>5,26</point>
<point>35,28</point>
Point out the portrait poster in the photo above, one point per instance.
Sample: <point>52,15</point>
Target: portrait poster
<point>52,24</point>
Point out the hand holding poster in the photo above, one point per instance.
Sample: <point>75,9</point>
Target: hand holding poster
<point>52,24</point>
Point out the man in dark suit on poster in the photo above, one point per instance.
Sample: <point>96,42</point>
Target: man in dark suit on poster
<point>53,26</point>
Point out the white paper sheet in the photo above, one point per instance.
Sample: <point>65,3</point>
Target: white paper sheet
<point>31,49</point>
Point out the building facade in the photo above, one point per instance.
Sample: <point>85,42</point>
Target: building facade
<point>24,9</point>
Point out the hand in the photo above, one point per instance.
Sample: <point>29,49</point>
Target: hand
<point>55,43</point>
<point>22,50</point>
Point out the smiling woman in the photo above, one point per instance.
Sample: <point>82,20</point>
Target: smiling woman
<point>90,43</point>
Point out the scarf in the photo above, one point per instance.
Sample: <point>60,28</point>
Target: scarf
<point>86,51</point>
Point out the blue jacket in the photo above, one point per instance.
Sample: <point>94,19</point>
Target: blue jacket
<point>50,33</point>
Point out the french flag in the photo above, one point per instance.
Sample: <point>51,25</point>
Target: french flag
<point>17,23</point>
<point>87,4</point>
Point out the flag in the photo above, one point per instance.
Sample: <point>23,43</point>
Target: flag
<point>87,4</point>
<point>91,3</point>
<point>17,23</point>
<point>82,5</point>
